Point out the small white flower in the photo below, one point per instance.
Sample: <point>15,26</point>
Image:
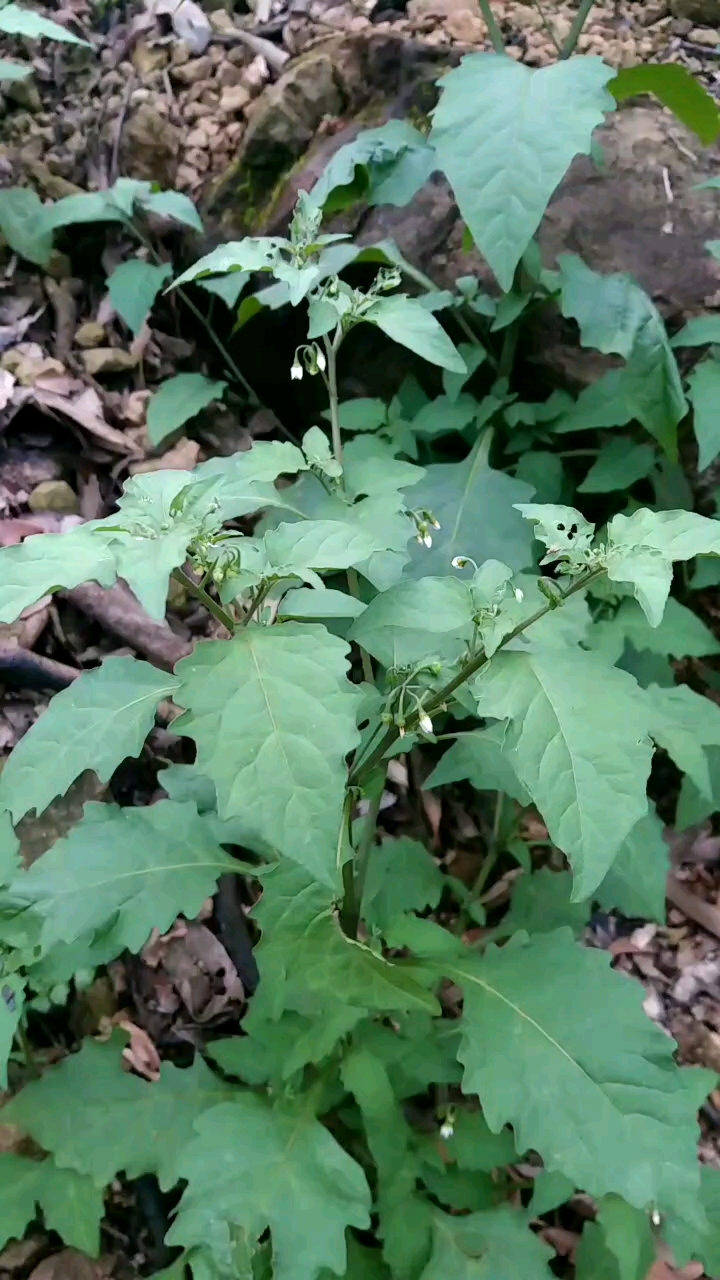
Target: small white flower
<point>435,523</point>
<point>296,369</point>
<point>447,1129</point>
<point>459,562</point>
<point>656,1218</point>
<point>425,723</point>
<point>519,595</point>
<point>427,540</point>
<point>320,360</point>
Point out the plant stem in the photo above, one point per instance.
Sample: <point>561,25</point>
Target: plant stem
<point>493,849</point>
<point>492,25</point>
<point>581,18</point>
<point>27,1049</point>
<point>331,349</point>
<point>216,610</point>
<point>360,774</point>
<point>354,589</point>
<point>359,865</point>
<point>547,25</point>
<point>255,603</point>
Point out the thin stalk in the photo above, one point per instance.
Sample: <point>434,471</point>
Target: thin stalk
<point>216,610</point>
<point>491,22</point>
<point>359,775</point>
<point>367,667</point>
<point>547,25</point>
<point>493,850</point>
<point>27,1049</point>
<point>232,367</point>
<point>575,32</point>
<point>331,349</point>
<point>262,591</point>
<point>359,864</point>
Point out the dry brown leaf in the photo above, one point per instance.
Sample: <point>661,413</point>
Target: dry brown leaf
<point>182,457</point>
<point>141,1053</point>
<point>68,1264</point>
<point>86,409</point>
<point>7,384</point>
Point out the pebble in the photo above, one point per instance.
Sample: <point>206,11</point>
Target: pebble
<point>54,495</point>
<point>233,99</point>
<point>90,334</point>
<point>705,35</point>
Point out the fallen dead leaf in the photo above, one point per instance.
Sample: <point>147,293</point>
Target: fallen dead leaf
<point>68,1264</point>
<point>194,963</point>
<point>28,362</point>
<point>141,1053</point>
<point>98,360</point>
<point>182,457</point>
<point>86,409</point>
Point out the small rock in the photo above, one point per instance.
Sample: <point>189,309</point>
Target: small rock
<point>705,35</point>
<point>195,111</point>
<point>198,159</point>
<point>191,26</point>
<point>107,360</point>
<point>25,93</point>
<point>256,73</point>
<point>90,334</point>
<point>466,27</point>
<point>228,74</point>
<point>150,146</point>
<point>148,58</point>
<point>193,71</point>
<point>197,138</point>
<point>233,99</point>
<point>706,12</point>
<point>54,495</point>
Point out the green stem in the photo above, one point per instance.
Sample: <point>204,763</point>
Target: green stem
<point>351,907</point>
<point>492,25</point>
<point>27,1049</point>
<point>262,591</point>
<point>331,349</point>
<point>581,18</point>
<point>493,849</point>
<point>359,775</point>
<point>367,667</point>
<point>216,610</point>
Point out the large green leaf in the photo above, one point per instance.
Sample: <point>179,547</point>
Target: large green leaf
<point>273,715</point>
<point>505,136</point>
<point>71,1204</point>
<point>47,562</point>
<point>13,71</point>
<point>95,723</point>
<point>16,21</point>
<point>629,1237</point>
<point>542,902</point>
<point>704,391</point>
<point>480,757</point>
<point>686,1241</point>
<point>678,90</point>
<point>21,214</point>
<point>684,722</point>
<point>251,254</point>
<point>635,883</point>
<point>133,288</point>
<point>616,316</point>
<point>125,872</point>
<point>387,165</point>
<point>304,954</point>
<point>496,1244</point>
<point>642,547</point>
<point>179,399</point>
<point>700,331</point>
<point>415,621</point>
<point>578,741</point>
<point>401,876</point>
<point>681,633</point>
<point>474,506</point>
<point>406,321</point>
<point>280,1169</point>
<point>618,465</point>
<point>98,1119</point>
<point>584,1077</point>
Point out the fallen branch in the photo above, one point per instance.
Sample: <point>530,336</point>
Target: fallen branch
<point>702,913</point>
<point>117,609</point>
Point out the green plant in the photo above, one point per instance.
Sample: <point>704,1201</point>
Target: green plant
<point>16,21</point>
<point>386,599</point>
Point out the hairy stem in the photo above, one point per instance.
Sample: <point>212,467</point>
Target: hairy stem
<point>254,605</point>
<point>493,27</point>
<point>359,775</point>
<point>200,594</point>
<point>581,18</point>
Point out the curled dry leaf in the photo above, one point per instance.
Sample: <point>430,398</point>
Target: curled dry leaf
<point>83,406</point>
<point>182,457</point>
<point>141,1053</point>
